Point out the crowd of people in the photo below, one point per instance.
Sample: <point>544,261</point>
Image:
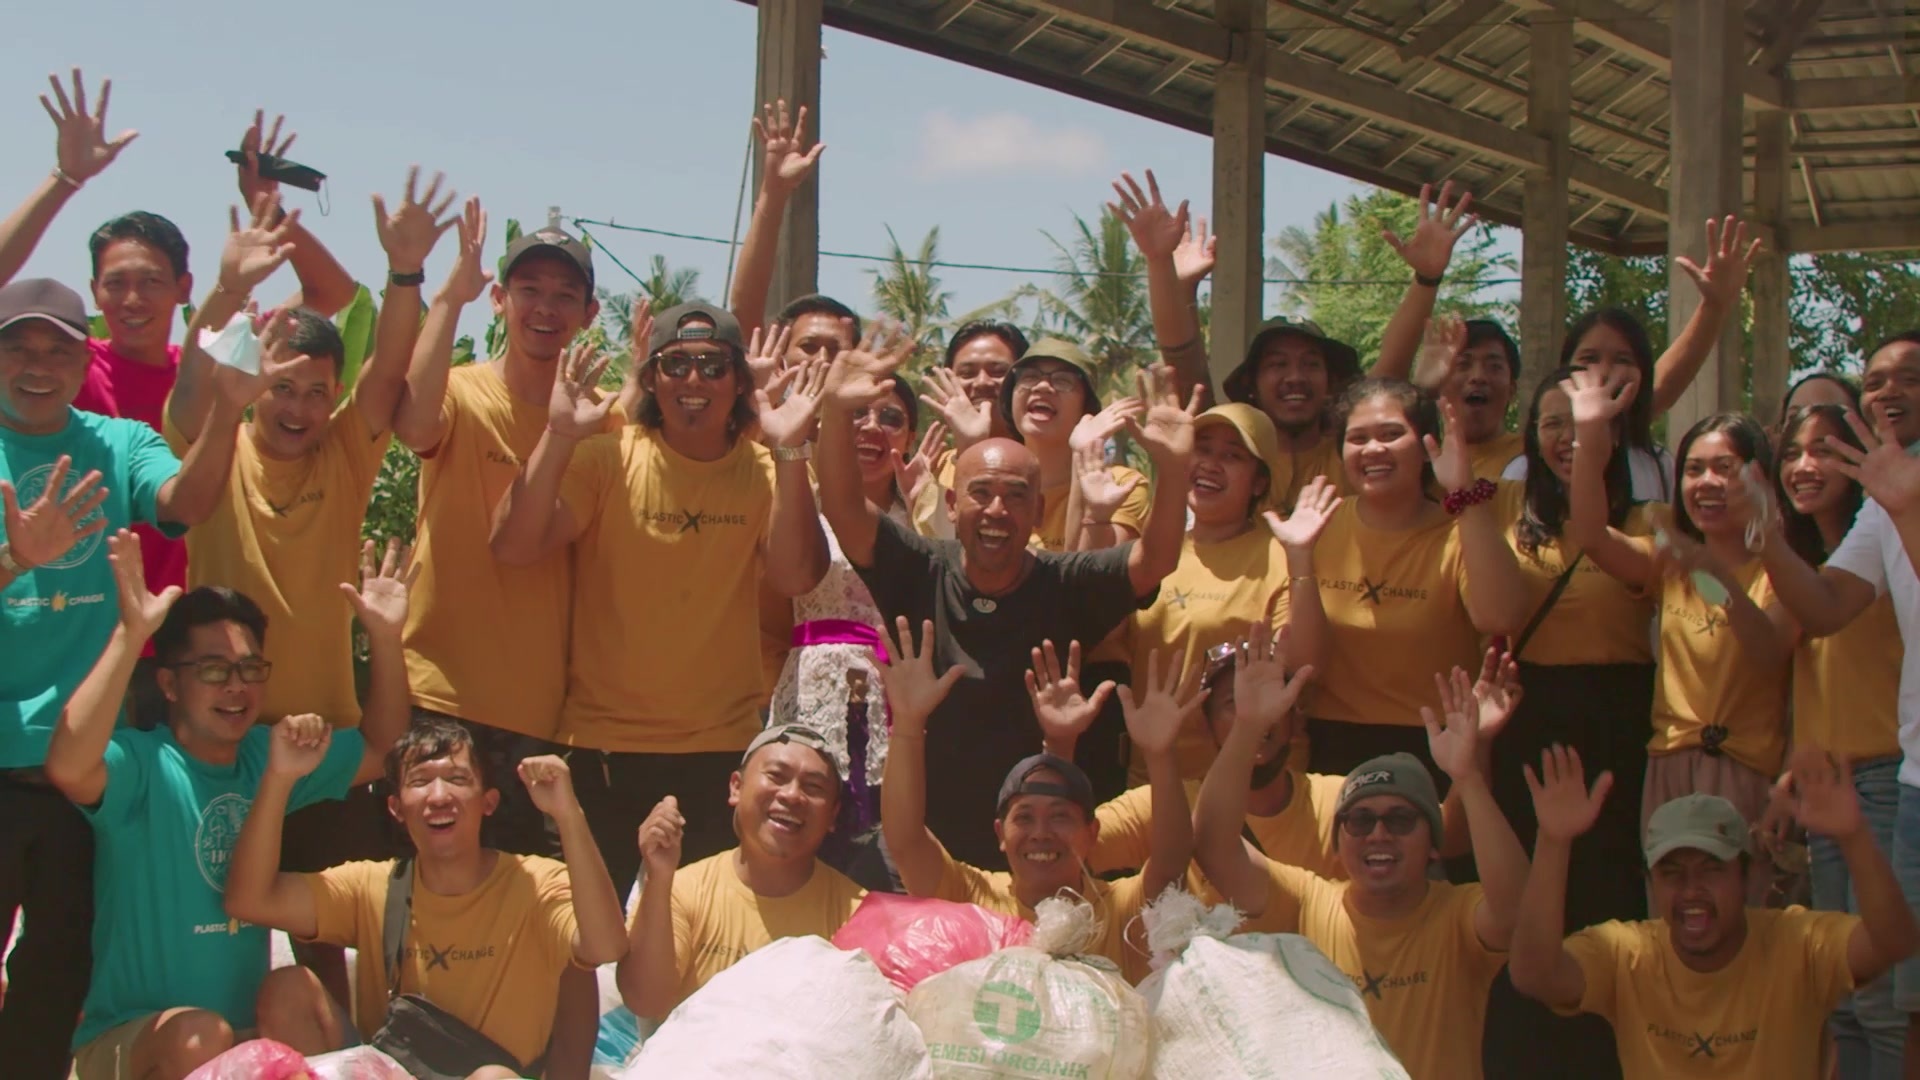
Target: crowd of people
<point>1520,725</point>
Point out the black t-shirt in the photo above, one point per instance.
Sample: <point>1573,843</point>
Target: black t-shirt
<point>986,724</point>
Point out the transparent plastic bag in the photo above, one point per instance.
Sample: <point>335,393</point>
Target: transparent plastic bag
<point>258,1059</point>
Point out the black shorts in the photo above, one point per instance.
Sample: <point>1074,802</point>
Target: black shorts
<point>517,826</point>
<point>336,831</point>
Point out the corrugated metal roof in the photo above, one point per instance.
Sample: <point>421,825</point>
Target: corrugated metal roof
<point>1404,92</point>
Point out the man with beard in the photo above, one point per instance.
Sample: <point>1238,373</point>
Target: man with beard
<point>174,977</point>
<point>991,598</point>
<point>1710,987</point>
<point>692,923</point>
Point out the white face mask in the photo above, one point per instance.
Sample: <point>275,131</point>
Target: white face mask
<point>235,346</point>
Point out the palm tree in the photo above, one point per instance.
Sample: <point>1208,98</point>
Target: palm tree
<point>1101,301</point>
<point>909,292</point>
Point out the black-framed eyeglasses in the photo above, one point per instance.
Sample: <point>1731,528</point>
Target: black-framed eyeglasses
<point>1400,821</point>
<point>888,417</point>
<point>220,672</point>
<point>712,366</point>
<point>1061,381</point>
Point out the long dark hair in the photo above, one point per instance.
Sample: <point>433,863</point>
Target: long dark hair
<point>1848,388</point>
<point>1639,418</point>
<point>1423,415</point>
<point>1749,440</point>
<point>1803,532</point>
<point>1545,516</point>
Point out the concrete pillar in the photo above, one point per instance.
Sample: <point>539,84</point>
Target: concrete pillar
<point>1772,281</point>
<point>1543,242</point>
<point>1239,176</point>
<point>789,68</point>
<point>1708,66</point>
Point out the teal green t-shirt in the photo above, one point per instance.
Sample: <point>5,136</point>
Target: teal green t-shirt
<point>55,619</point>
<point>163,834</point>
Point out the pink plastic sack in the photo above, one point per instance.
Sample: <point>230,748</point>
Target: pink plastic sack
<point>260,1059</point>
<point>911,939</point>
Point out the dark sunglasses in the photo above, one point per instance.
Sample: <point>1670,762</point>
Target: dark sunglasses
<point>887,417</point>
<point>713,366</point>
<point>219,672</point>
<point>1400,821</point>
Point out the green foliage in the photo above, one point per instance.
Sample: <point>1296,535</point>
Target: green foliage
<point>390,512</point>
<point>1350,279</point>
<point>1844,304</point>
<point>496,336</point>
<point>1101,302</point>
<point>1636,284</point>
<point>356,322</point>
<point>909,293</point>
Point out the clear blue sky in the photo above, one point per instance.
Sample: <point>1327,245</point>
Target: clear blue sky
<point>636,113</point>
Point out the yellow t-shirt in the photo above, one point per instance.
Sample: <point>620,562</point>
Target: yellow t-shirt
<point>287,534</point>
<point>1299,835</point>
<point>1846,687</point>
<point>1705,677</point>
<point>1598,619</point>
<point>1492,457</point>
<point>1116,903</point>
<point>1760,1016</point>
<point>492,957</point>
<point>666,613</point>
<point>717,920</point>
<point>1395,604</point>
<point>1211,596</point>
<point>1298,468</point>
<point>1051,533</point>
<point>1424,976</point>
<point>513,675</point>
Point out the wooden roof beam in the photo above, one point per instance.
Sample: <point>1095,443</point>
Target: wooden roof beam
<point>1447,29</point>
<point>1785,35</point>
<point>1646,38</point>
<point>1846,95</point>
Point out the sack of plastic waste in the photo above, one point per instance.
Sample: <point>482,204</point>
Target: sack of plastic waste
<point>912,938</point>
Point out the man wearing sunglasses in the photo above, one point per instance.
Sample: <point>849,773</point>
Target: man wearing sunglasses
<point>1423,953</point>
<point>175,981</point>
<point>675,522</point>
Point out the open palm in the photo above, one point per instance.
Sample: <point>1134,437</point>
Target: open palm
<point>141,611</point>
<point>81,146</point>
<point>1887,471</point>
<point>381,599</point>
<point>1300,530</point>
<point>1064,712</point>
<point>49,526</point>
<point>791,422</point>
<point>1562,804</point>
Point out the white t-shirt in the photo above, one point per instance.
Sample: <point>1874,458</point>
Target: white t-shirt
<point>1873,553</point>
<point>1652,473</point>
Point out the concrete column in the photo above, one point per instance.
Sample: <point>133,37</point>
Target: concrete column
<point>1543,242</point>
<point>1708,66</point>
<point>1239,177</point>
<point>789,68</point>
<point>1772,281</point>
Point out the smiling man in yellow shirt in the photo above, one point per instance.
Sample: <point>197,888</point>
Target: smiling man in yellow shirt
<point>1710,987</point>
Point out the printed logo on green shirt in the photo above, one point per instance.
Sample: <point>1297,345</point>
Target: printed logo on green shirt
<point>220,822</point>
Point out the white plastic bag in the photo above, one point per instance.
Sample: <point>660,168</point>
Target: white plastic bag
<point>1037,1009</point>
<point>1258,1006</point>
<point>357,1063</point>
<point>798,1007</point>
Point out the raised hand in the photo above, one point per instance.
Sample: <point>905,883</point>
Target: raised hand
<point>791,422</point>
<point>470,277</point>
<point>970,421</point>
<point>254,252</point>
<point>1430,249</point>
<point>575,409</point>
<point>1677,555</point>
<point>1094,430</point>
<point>256,141</point>
<point>1824,800</point>
<point>1455,746</point>
<point>1263,693</point>
<point>1776,826</point>
<point>1497,692</point>
<point>240,388</point>
<point>1155,717</point>
<point>1883,468</point>
<point>408,234</point>
<point>141,612</point>
<point>1166,431</point>
<point>298,746</point>
<point>863,375</point>
<point>59,518</point>
<point>660,838</point>
<point>767,351</point>
<point>912,690</point>
<point>1194,258</point>
<point>81,147</point>
<point>1314,507</point>
<point>1063,711</point>
<point>1099,491</point>
<point>915,473</point>
<point>1562,803</point>
<point>1452,461</point>
<point>1728,257</point>
<point>787,157</point>
<point>1444,339</point>
<point>381,599</point>
<point>549,783</point>
<point>1156,230</point>
<point>1597,399</point>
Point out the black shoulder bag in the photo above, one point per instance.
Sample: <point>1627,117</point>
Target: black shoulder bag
<point>427,1041</point>
<point>1546,607</point>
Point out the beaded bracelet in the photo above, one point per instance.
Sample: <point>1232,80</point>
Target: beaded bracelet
<point>1472,495</point>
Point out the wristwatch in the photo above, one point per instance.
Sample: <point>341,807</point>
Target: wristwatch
<point>418,277</point>
<point>803,452</point>
<point>9,563</point>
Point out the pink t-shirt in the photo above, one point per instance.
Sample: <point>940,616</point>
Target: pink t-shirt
<point>117,386</point>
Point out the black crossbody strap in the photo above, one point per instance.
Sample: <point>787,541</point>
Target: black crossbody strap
<point>1546,606</point>
<point>393,923</point>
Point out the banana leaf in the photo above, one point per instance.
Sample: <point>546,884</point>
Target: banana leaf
<point>355,323</point>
